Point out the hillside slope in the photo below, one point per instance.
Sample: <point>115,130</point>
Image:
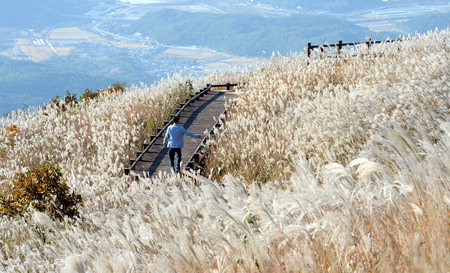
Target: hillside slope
<point>354,154</point>
<point>247,35</point>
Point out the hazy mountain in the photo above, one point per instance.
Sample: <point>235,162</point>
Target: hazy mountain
<point>93,66</point>
<point>426,22</point>
<point>248,35</point>
<point>39,13</point>
<point>29,83</point>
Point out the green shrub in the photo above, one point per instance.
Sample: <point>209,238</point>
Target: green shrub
<point>115,88</point>
<point>71,98</point>
<point>41,189</point>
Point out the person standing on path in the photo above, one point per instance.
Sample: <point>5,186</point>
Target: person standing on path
<point>174,141</point>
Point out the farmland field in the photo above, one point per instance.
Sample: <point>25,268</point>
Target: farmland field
<point>32,51</point>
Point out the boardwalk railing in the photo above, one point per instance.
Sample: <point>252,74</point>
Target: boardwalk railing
<point>310,48</point>
<point>167,123</point>
<point>160,131</point>
<point>200,152</point>
<point>197,157</point>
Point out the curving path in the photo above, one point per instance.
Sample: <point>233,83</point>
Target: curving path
<point>198,117</point>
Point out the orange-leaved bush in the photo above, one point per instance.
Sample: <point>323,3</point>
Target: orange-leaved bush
<point>71,98</point>
<point>115,88</point>
<point>11,132</point>
<point>41,189</point>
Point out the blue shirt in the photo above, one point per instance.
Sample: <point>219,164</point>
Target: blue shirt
<point>174,136</point>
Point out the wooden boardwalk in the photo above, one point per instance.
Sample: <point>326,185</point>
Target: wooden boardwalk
<point>198,118</point>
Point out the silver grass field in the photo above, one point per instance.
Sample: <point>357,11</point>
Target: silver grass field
<point>339,165</point>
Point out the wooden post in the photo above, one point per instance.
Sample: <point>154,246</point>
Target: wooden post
<point>399,39</point>
<point>190,165</point>
<point>368,42</point>
<point>196,158</point>
<point>308,49</point>
<point>339,47</point>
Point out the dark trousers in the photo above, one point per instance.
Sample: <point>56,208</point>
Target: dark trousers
<point>172,153</point>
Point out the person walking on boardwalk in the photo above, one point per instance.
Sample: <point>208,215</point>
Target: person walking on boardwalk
<point>174,141</point>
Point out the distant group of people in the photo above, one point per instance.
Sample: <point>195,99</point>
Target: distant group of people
<point>174,141</point>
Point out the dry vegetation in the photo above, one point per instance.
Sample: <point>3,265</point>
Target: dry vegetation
<point>354,154</point>
<point>328,110</point>
<point>91,135</point>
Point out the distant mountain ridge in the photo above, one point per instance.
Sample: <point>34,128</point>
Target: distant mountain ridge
<point>337,5</point>
<point>247,35</point>
<point>426,22</point>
